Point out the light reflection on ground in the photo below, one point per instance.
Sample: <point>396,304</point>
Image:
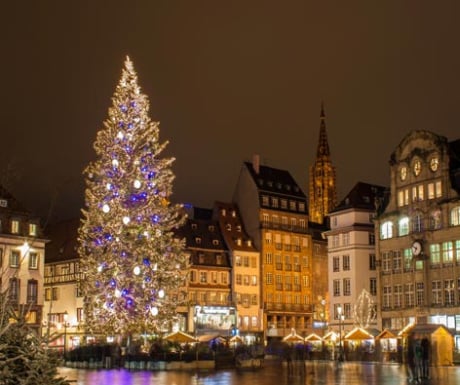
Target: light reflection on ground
<point>313,373</point>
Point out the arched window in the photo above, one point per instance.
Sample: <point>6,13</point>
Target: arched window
<point>403,226</point>
<point>386,230</point>
<point>455,216</point>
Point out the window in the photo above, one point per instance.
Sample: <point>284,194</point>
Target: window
<point>218,259</point>
<point>346,286</point>
<point>301,207</point>
<point>238,260</point>
<point>403,226</point>
<point>407,259</point>
<point>336,311</point>
<point>420,293</point>
<point>430,189</point>
<point>274,202</point>
<point>254,300</point>
<point>292,205</point>
<point>455,216</point>
<point>14,258</point>
<point>32,229</point>
<point>265,219</point>
<point>335,264</point>
<point>373,286</point>
<point>32,291</point>
<point>347,310</point>
<point>268,258</point>
<point>283,203</point>
<point>33,260</point>
<point>409,294</point>
<point>386,230</point>
<point>268,238</point>
<point>269,279</point>
<point>346,239</point>
<point>386,260</point>
<point>336,287</point>
<point>436,298</point>
<point>449,293</point>
<point>253,262</point>
<point>397,261</point>
<point>372,262</point>
<point>254,280</point>
<point>447,252</point>
<point>265,200</point>
<point>438,189</point>
<point>417,223</point>
<point>246,261</point>
<point>457,252</point>
<point>398,293</point>
<point>335,241</point>
<point>302,223</point>
<point>224,278</point>
<point>305,281</point>
<point>346,262</point>
<point>386,297</point>
<point>15,226</point>
<point>246,280</point>
<point>371,239</point>
<point>13,294</point>
<point>203,277</point>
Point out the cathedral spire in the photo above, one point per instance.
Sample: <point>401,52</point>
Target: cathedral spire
<point>323,144</point>
<point>322,183</point>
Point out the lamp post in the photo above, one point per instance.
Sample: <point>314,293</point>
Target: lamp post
<point>65,333</point>
<point>339,313</point>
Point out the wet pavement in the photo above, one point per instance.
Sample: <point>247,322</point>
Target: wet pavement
<point>273,373</point>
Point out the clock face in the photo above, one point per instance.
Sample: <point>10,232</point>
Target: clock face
<point>417,167</point>
<point>403,173</point>
<point>416,248</point>
<point>434,163</point>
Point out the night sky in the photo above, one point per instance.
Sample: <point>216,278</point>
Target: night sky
<point>226,79</point>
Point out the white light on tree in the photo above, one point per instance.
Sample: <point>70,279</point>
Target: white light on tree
<point>119,222</point>
<point>161,293</point>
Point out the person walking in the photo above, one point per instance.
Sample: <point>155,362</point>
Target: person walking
<point>425,347</point>
<point>410,359</point>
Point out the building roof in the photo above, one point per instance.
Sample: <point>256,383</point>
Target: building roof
<point>232,227</point>
<point>63,241</point>
<point>8,203</point>
<point>363,196</point>
<point>275,181</point>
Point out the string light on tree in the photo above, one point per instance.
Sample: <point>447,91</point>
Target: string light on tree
<point>133,264</point>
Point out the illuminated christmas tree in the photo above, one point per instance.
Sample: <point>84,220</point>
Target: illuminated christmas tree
<point>133,264</point>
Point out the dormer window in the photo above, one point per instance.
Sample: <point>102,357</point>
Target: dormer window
<point>233,213</point>
<point>15,226</point>
<point>270,183</point>
<point>194,226</point>
<point>228,226</point>
<point>279,185</point>
<point>215,242</point>
<point>32,229</point>
<point>238,241</point>
<point>249,243</point>
<point>211,228</point>
<point>223,212</point>
<point>198,240</point>
<point>238,228</point>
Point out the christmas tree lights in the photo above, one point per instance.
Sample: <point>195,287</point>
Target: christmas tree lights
<point>134,265</point>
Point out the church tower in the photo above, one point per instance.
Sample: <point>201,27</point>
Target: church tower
<point>322,182</point>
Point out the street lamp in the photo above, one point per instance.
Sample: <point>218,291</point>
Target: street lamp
<point>65,333</point>
<point>341,317</point>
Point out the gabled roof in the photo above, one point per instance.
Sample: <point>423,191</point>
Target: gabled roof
<point>276,181</point>
<point>232,227</point>
<point>11,204</point>
<point>363,196</point>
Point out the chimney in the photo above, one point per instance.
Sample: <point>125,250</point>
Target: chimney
<point>256,163</point>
